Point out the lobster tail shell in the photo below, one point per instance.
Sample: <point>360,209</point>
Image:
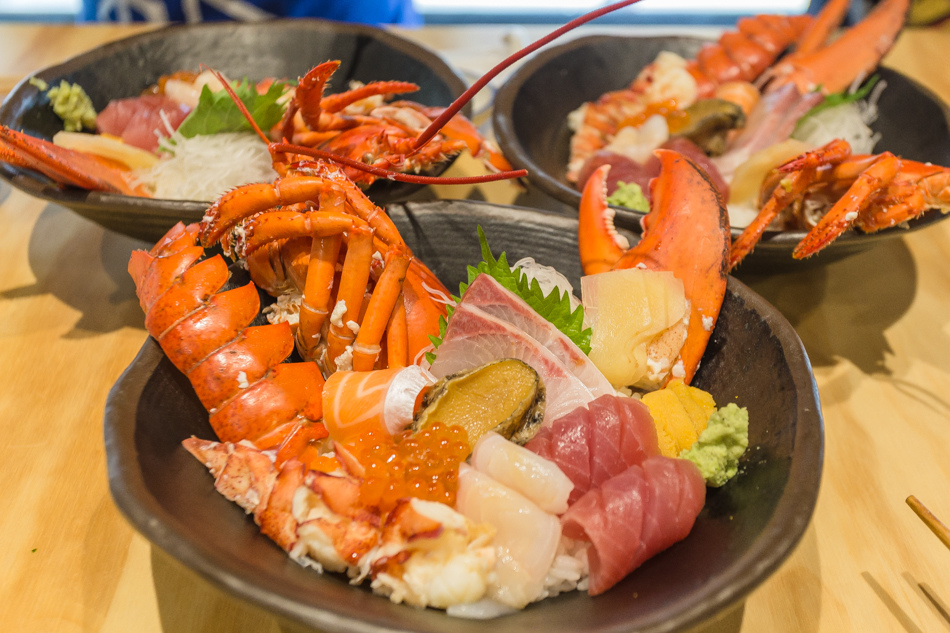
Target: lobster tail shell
<point>292,390</point>
<point>235,370</point>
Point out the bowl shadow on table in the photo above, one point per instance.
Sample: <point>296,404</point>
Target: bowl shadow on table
<point>842,310</point>
<point>96,283</point>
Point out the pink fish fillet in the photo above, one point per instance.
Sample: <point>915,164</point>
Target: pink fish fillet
<point>138,120</point>
<point>634,515</point>
<point>772,121</point>
<point>474,338</point>
<point>592,444</point>
<point>487,294</point>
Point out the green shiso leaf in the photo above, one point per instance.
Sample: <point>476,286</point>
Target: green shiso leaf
<point>217,113</point>
<point>555,307</point>
<point>840,98</point>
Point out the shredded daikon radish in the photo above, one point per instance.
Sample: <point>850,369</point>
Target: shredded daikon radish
<point>848,121</point>
<point>206,166</point>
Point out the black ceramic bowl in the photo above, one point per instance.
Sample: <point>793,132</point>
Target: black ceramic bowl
<point>278,48</point>
<point>747,528</point>
<point>530,120</point>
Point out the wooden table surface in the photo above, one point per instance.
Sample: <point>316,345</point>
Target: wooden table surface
<point>876,326</point>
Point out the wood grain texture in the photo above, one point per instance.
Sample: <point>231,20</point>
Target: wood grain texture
<point>876,328</point>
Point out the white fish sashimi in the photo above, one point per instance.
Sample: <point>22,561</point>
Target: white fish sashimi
<point>526,537</point>
<point>475,338</point>
<point>487,294</point>
<point>537,478</point>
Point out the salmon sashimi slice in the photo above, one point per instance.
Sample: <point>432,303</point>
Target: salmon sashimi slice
<point>356,402</point>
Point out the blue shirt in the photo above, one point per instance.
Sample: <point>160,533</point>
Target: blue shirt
<point>364,11</point>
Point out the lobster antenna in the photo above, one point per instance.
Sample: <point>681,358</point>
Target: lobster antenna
<point>466,96</point>
<point>237,101</point>
<point>393,175</point>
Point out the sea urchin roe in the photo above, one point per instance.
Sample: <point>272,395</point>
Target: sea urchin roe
<point>423,464</point>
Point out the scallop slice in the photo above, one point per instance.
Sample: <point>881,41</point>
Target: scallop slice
<point>535,477</point>
<point>526,538</point>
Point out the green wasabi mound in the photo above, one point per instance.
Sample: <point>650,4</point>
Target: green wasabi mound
<point>70,103</point>
<point>717,451</point>
<point>630,196</point>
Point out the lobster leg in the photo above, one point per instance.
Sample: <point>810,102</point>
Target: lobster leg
<point>339,101</point>
<point>397,336</point>
<point>308,96</point>
<point>817,33</point>
<point>366,347</point>
<point>843,214</point>
<point>353,283</point>
<point>314,307</point>
<point>917,188</point>
<point>357,202</point>
<point>276,225</point>
<point>788,187</point>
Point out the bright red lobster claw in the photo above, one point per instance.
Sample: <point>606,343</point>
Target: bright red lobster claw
<point>687,233</point>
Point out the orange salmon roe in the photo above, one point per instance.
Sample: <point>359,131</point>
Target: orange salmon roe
<point>676,119</point>
<point>422,465</point>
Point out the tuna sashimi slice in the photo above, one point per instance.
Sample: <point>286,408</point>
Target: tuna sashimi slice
<point>593,444</point>
<point>634,515</point>
<point>138,120</point>
<point>487,294</point>
<point>474,338</point>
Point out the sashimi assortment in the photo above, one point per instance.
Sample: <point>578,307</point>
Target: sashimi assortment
<point>192,135</point>
<point>505,471</point>
<point>777,112</point>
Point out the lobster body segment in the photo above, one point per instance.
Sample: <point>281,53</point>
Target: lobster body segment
<point>206,335</point>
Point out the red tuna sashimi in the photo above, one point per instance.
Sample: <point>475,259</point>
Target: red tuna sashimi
<point>487,294</point>
<point>137,119</point>
<point>634,515</point>
<point>474,338</point>
<point>593,444</point>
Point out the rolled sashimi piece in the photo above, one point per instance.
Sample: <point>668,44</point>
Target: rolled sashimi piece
<point>474,338</point>
<point>634,515</point>
<point>526,537</point>
<point>538,479</point>
<point>592,444</point>
<point>355,402</point>
<point>490,296</point>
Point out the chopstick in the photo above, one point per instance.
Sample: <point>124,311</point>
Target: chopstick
<point>938,528</point>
